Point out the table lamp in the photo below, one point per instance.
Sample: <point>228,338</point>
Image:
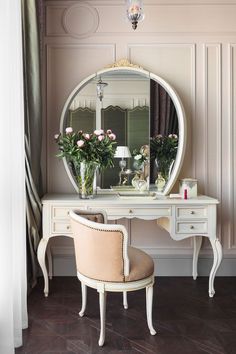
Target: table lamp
<point>122,152</point>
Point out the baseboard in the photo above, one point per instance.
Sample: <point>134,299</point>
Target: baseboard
<point>165,265</point>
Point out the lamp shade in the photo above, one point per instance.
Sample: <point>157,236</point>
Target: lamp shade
<point>122,152</point>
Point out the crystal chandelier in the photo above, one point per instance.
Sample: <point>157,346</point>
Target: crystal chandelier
<point>135,12</point>
<point>100,89</point>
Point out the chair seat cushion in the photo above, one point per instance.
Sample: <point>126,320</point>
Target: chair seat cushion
<point>141,265</point>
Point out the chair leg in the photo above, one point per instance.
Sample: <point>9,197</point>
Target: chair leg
<point>149,296</point>
<point>84,299</point>
<point>125,302</point>
<point>102,304</point>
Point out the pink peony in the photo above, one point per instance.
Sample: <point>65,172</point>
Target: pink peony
<point>69,130</point>
<point>87,136</point>
<point>109,131</point>
<point>98,131</point>
<point>80,143</point>
<point>56,136</point>
<point>100,137</point>
<point>112,136</point>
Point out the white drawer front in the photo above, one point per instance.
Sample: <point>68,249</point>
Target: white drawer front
<point>60,212</point>
<point>192,213</point>
<point>191,227</point>
<point>126,212</point>
<point>61,227</point>
<point>63,212</point>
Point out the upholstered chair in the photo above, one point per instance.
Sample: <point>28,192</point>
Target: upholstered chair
<point>105,262</point>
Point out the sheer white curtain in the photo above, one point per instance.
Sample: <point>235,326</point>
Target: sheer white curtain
<point>13,308</point>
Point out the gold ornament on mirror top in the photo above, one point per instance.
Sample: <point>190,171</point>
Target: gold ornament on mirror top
<point>123,63</point>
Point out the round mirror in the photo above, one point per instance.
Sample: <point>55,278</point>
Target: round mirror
<point>147,117</point>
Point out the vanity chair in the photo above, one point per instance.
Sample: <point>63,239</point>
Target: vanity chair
<point>105,262</point>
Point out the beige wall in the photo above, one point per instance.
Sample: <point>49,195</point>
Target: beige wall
<point>191,44</point>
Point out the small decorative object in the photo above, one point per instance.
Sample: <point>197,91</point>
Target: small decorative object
<point>86,153</point>
<point>135,181</point>
<point>163,151</point>
<point>123,153</point>
<point>160,182</point>
<point>188,188</point>
<point>141,160</point>
<point>100,89</point>
<point>135,12</point>
<point>142,185</point>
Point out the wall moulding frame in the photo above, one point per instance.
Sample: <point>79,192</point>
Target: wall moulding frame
<point>149,2</point>
<point>173,27</point>
<point>232,117</point>
<point>218,76</point>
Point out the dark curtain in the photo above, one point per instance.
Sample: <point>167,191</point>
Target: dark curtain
<point>163,117</point>
<point>33,133</point>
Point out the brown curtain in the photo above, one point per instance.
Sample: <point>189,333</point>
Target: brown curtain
<point>33,133</point>
<point>164,119</point>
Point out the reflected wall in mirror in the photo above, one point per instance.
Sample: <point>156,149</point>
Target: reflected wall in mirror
<point>145,114</point>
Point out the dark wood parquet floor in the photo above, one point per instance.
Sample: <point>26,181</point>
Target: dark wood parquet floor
<point>187,320</point>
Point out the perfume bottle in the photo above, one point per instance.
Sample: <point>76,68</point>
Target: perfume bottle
<point>160,182</point>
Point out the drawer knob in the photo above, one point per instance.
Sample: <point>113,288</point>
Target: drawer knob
<point>68,227</point>
<point>192,212</point>
<point>191,227</point>
<point>130,211</point>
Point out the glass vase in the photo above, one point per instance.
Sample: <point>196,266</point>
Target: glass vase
<point>86,179</point>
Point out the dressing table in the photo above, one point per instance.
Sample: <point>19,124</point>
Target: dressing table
<point>181,218</point>
<point>138,106</point>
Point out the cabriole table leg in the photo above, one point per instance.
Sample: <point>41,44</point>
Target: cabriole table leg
<point>217,252</point>
<point>41,258</point>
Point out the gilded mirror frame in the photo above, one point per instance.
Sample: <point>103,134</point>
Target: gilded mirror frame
<point>126,66</point>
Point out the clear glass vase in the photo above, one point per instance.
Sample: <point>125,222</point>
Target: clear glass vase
<point>86,179</point>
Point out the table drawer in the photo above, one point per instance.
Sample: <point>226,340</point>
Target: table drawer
<point>136,212</point>
<point>63,212</point>
<point>191,227</point>
<point>195,212</point>
<point>61,227</point>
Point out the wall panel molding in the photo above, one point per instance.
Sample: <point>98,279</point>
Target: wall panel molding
<point>161,18</point>
<point>83,14</point>
<point>66,65</point>
<point>232,118</point>
<point>165,265</point>
<point>152,54</point>
<point>213,118</point>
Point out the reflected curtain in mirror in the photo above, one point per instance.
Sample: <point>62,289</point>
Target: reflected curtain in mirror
<point>163,117</point>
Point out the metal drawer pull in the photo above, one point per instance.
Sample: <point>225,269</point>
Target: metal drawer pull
<point>68,213</point>
<point>191,227</point>
<point>130,211</point>
<point>68,227</point>
<point>192,212</point>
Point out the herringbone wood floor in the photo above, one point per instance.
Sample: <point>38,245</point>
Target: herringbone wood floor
<point>187,320</point>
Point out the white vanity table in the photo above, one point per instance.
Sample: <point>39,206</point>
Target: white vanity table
<point>181,218</point>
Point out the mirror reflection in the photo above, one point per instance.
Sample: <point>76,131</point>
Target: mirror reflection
<point>142,115</point>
